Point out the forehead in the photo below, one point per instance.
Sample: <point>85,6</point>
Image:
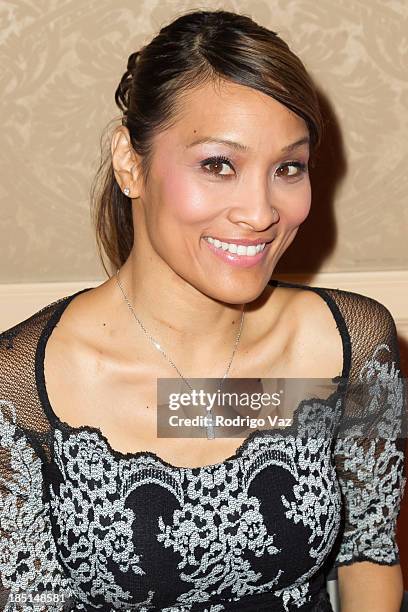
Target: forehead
<point>235,111</point>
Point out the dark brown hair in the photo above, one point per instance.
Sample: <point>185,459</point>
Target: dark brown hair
<point>195,48</point>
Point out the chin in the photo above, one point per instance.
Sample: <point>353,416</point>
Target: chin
<point>236,293</point>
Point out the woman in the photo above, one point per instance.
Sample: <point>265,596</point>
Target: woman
<point>204,189</point>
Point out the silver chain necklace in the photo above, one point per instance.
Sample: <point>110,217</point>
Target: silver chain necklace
<point>209,416</point>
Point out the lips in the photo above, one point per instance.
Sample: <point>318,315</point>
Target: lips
<point>240,260</point>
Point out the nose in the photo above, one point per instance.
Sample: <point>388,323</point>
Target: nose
<point>255,210</point>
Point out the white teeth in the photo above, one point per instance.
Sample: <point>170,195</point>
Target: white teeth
<point>239,249</point>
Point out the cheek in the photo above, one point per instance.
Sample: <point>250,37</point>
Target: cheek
<point>182,198</point>
<point>294,203</point>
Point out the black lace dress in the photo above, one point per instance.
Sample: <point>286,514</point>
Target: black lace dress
<point>85,527</point>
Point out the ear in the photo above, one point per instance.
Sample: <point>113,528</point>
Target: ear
<point>125,162</point>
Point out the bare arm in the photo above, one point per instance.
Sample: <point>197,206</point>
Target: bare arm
<point>370,587</point>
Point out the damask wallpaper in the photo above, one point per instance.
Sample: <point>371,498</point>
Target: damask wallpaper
<point>61,61</point>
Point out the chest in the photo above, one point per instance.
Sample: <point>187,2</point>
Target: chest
<point>119,397</point>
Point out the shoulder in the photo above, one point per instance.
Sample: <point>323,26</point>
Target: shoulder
<point>320,336</point>
<point>367,320</point>
<point>21,355</point>
<point>302,326</point>
<point>314,308</point>
<point>18,372</point>
<point>349,306</point>
<point>365,324</point>
<point>25,333</point>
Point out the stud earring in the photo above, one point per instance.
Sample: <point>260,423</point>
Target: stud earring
<point>126,191</point>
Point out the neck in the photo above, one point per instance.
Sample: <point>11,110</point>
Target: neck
<point>188,324</point>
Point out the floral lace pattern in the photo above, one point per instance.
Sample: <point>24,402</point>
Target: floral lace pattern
<point>93,523</point>
<point>374,465</point>
<point>217,527</point>
<point>25,530</point>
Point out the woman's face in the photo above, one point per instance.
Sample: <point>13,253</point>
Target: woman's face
<point>254,188</point>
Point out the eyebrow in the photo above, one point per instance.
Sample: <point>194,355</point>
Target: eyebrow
<point>241,147</point>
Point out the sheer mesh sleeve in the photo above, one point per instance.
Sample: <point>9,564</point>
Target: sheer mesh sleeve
<point>28,563</point>
<point>369,449</point>
<point>29,567</point>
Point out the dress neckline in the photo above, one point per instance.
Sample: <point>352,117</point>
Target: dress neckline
<point>59,307</point>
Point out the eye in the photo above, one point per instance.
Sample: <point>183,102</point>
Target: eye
<point>292,171</point>
<point>217,163</point>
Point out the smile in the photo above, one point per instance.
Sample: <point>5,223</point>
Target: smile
<point>236,249</point>
<point>238,255</point>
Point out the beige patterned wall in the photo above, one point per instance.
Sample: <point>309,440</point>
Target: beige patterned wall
<point>61,61</point>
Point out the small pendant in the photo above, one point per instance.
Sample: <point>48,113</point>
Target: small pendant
<point>210,427</point>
